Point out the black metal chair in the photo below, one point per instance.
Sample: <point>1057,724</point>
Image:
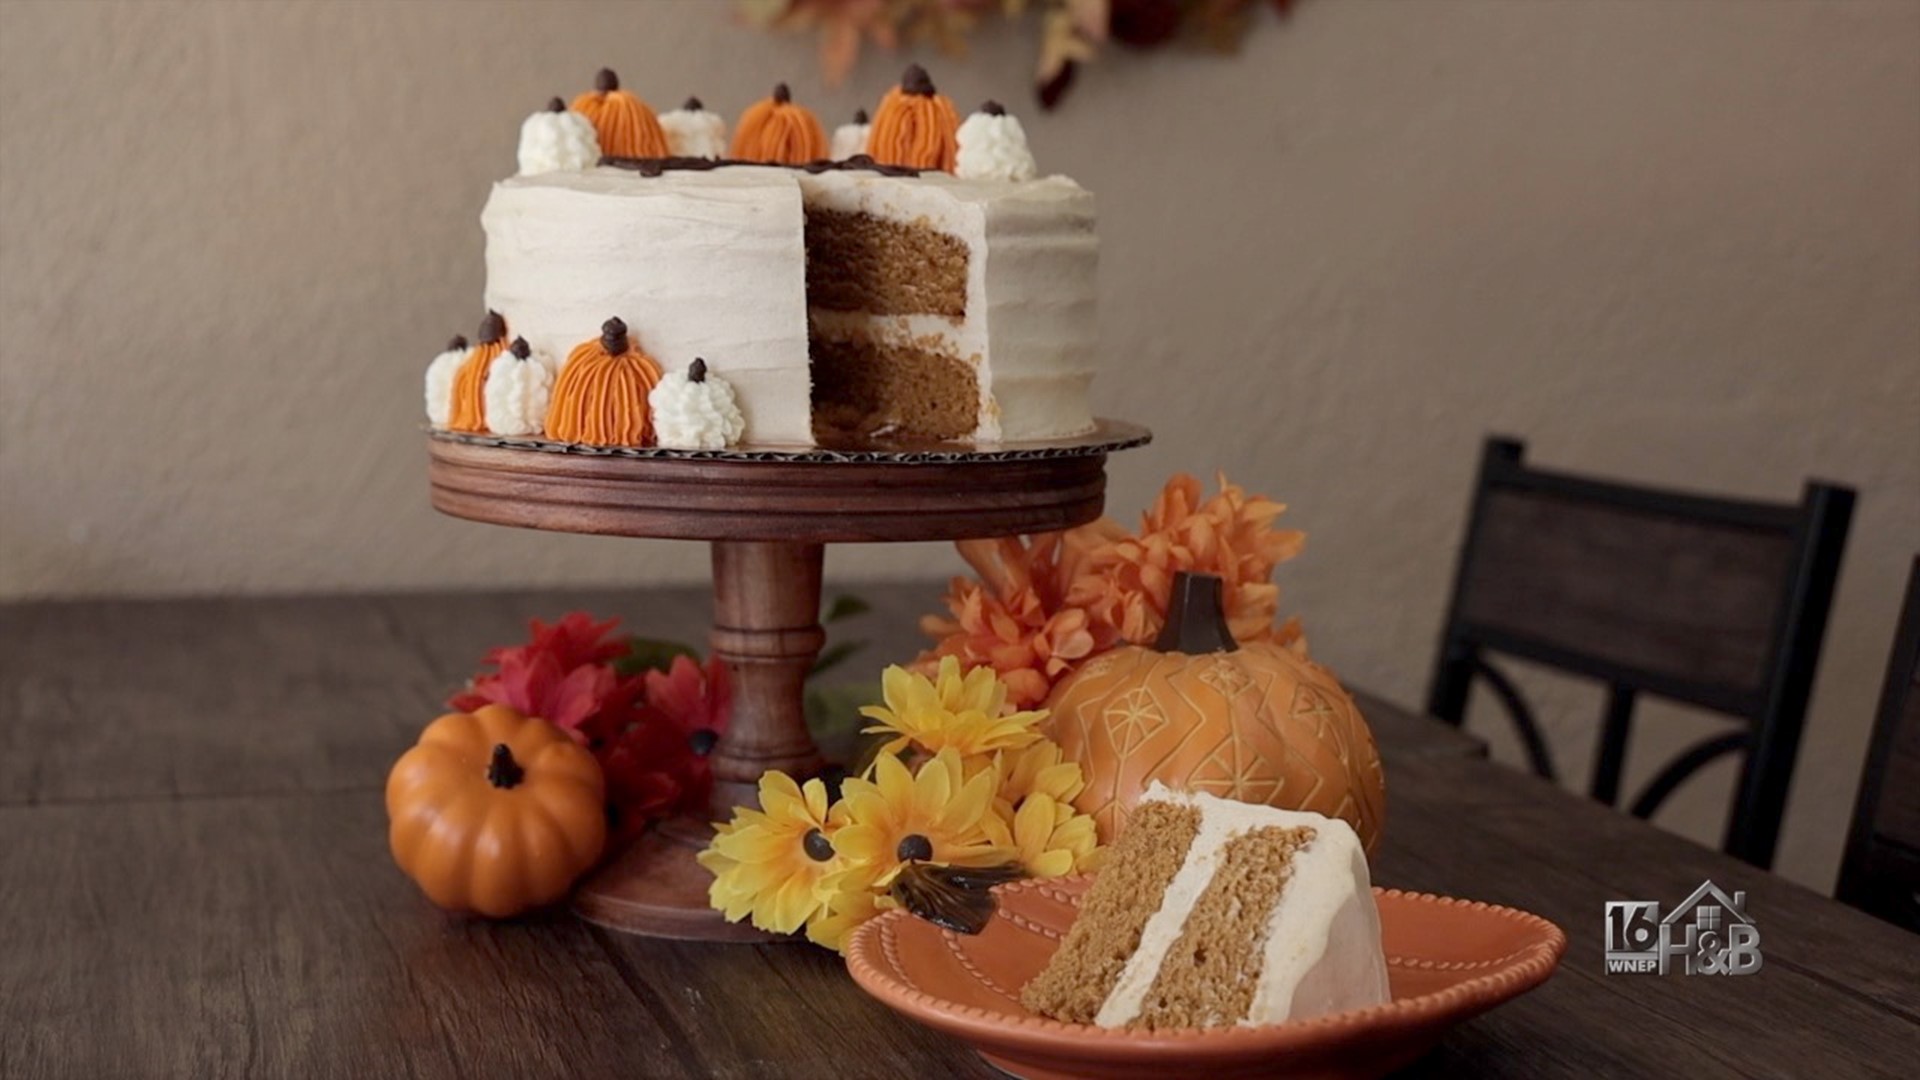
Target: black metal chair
<point>1881,872</point>
<point>1714,602</point>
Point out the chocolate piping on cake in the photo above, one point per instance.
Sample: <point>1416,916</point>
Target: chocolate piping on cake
<point>659,165</point>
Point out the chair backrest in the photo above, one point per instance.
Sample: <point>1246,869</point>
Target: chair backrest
<point>1881,872</point>
<point>1720,603</point>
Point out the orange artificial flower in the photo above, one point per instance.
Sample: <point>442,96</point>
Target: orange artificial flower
<point>1127,583</point>
<point>1015,618</point>
<point>1044,604</point>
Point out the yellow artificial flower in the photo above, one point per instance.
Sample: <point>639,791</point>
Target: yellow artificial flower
<point>851,900</point>
<point>1038,769</point>
<point>936,816</point>
<point>949,712</point>
<point>772,863</point>
<point>1051,837</point>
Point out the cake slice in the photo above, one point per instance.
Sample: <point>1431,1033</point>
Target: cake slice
<point>1212,913</point>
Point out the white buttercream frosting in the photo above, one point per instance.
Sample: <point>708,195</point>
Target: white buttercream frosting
<point>517,391</point>
<point>695,131</point>
<point>1322,951</point>
<point>440,376</point>
<point>993,146</point>
<point>561,141</point>
<point>695,414</point>
<point>848,140</point>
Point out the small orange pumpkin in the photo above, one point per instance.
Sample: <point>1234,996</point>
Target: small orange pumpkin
<point>777,131</point>
<point>494,812</point>
<point>916,125</point>
<point>625,125</point>
<point>1198,712</point>
<point>601,396</point>
<point>470,382</point>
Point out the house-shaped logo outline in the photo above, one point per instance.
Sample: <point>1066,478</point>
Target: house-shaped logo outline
<point>1735,904</point>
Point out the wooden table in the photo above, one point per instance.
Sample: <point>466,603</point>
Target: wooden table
<point>194,881</point>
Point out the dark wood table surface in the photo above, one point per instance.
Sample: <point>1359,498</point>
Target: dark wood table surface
<point>194,881</point>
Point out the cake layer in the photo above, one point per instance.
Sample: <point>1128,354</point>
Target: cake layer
<point>699,265</point>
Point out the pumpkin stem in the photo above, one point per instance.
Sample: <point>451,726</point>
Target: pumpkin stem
<point>698,371</point>
<point>1196,618</point>
<point>503,771</point>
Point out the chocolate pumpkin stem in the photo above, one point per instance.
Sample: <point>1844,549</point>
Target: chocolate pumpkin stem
<point>457,343</point>
<point>993,108</point>
<point>693,105</point>
<point>698,372</point>
<point>520,349</point>
<point>556,105</point>
<point>1196,617</point>
<point>917,82</point>
<point>613,336</point>
<point>781,94</point>
<point>860,116</point>
<point>504,772</point>
<point>606,81</point>
<point>492,328</point>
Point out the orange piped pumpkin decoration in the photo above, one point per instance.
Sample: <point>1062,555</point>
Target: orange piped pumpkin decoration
<point>777,131</point>
<point>495,813</point>
<point>625,125</point>
<point>916,126</point>
<point>601,395</point>
<point>470,382</point>
<point>1198,712</point>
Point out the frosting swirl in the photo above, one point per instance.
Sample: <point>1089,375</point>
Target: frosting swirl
<point>557,140</point>
<point>993,146</point>
<point>694,131</point>
<point>695,410</point>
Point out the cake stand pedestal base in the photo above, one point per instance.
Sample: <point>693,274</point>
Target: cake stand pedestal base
<point>766,629</point>
<point>767,513</point>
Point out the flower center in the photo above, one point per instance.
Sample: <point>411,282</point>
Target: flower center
<point>914,847</point>
<point>818,847</point>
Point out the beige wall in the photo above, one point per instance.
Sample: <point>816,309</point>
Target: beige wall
<point>1676,243</point>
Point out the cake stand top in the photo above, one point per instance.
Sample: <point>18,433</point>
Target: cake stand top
<point>803,495</point>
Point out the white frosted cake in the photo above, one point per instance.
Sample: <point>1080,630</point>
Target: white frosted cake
<point>1211,913</point>
<point>846,302</point>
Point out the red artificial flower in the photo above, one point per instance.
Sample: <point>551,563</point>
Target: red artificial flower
<point>696,702</point>
<point>650,732</point>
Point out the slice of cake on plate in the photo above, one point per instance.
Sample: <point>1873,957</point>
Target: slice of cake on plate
<point>1212,913</point>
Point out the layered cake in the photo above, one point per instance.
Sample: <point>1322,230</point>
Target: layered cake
<point>929,287</point>
<point>1214,913</point>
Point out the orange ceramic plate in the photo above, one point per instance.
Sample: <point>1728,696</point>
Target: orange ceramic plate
<point>1448,960</point>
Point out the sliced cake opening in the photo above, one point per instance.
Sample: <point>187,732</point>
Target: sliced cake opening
<point>858,261</point>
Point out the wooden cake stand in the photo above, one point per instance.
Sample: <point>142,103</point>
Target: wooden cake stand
<point>768,515</point>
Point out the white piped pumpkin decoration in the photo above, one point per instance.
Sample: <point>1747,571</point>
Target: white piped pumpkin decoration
<point>695,410</point>
<point>850,140</point>
<point>440,375</point>
<point>992,146</point>
<point>694,131</point>
<point>557,139</point>
<point>518,387</point>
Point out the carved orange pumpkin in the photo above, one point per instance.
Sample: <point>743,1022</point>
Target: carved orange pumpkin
<point>494,812</point>
<point>1197,712</point>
